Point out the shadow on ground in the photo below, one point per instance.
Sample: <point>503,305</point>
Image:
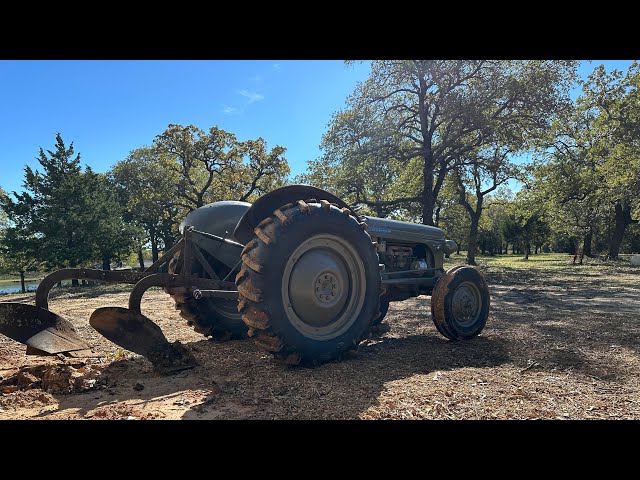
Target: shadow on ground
<point>237,381</point>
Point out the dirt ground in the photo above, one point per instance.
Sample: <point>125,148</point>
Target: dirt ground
<point>559,343</point>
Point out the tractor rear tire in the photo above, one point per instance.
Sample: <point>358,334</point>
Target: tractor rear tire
<point>211,317</point>
<point>460,303</point>
<point>310,282</point>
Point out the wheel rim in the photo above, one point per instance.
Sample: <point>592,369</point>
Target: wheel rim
<point>323,286</point>
<point>466,304</point>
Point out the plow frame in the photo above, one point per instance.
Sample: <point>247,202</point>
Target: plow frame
<point>151,276</point>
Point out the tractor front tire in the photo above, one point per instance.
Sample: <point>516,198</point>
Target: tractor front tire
<point>460,303</point>
<point>309,284</point>
<point>384,309</point>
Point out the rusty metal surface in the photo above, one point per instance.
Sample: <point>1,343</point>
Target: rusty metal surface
<point>135,332</point>
<point>39,329</point>
<point>168,280</point>
<point>54,341</point>
<point>166,257</point>
<point>437,303</point>
<point>48,282</point>
<point>229,294</point>
<point>132,331</point>
<point>203,261</point>
<point>438,312</point>
<point>217,238</point>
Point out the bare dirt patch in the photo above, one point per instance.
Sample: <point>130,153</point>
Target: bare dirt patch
<point>559,344</point>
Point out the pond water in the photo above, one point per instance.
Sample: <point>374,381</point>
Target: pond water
<point>31,286</point>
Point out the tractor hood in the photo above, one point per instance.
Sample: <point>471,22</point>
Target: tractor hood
<point>403,231</point>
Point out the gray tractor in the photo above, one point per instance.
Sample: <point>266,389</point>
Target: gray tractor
<point>297,270</point>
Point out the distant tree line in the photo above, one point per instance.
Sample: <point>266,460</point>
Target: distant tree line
<point>70,216</point>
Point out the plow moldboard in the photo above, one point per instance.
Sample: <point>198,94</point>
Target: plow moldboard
<point>41,330</point>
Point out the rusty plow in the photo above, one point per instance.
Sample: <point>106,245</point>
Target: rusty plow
<point>45,333</point>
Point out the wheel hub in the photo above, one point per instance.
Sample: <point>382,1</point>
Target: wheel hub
<point>315,284</point>
<point>327,287</point>
<point>466,303</point>
<point>323,286</point>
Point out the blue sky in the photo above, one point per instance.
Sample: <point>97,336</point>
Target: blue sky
<point>108,108</point>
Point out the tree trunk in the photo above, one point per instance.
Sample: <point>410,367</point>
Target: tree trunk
<point>473,241</point>
<point>140,259</point>
<point>427,197</point>
<point>154,250</point>
<point>106,263</point>
<point>74,282</point>
<point>23,289</point>
<point>588,239</point>
<point>427,209</point>
<point>535,250</point>
<point>458,252</point>
<point>527,250</point>
<point>623,219</point>
<point>168,243</point>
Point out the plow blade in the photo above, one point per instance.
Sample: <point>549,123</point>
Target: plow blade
<point>44,332</point>
<point>135,332</point>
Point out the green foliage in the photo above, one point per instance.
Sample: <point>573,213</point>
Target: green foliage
<point>411,122</point>
<point>214,165</point>
<point>479,174</point>
<point>14,257</point>
<point>112,237</point>
<point>524,225</point>
<point>632,239</point>
<point>590,176</point>
<point>187,168</point>
<point>260,171</point>
<point>198,158</point>
<point>3,215</point>
<point>146,183</point>
<point>451,216</point>
<point>511,230</point>
<point>50,213</point>
<point>432,141</point>
<point>64,217</point>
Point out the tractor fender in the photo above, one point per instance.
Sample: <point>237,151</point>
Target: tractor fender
<point>266,204</point>
<point>218,218</point>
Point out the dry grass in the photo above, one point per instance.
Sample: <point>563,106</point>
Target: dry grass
<point>561,342</point>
